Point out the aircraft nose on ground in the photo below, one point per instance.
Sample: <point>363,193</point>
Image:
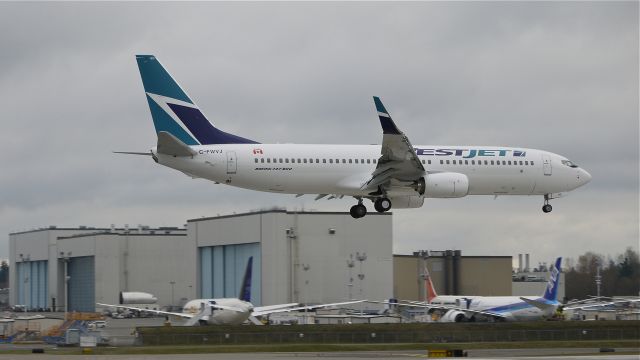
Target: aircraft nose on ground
<point>583,177</point>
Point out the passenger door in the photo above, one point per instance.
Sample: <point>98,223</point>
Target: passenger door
<point>546,164</point>
<point>232,165</point>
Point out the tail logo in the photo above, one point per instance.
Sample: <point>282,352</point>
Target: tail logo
<point>552,278</point>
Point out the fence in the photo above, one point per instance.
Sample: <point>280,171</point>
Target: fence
<point>324,337</point>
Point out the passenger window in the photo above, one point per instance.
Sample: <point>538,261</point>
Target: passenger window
<point>454,162</point>
<point>299,161</point>
<point>473,162</point>
<point>447,162</point>
<point>304,160</point>
<point>349,161</point>
<point>280,160</point>
<point>509,162</point>
<point>361,161</point>
<point>520,162</point>
<point>466,162</point>
<point>429,162</point>
<point>492,163</point>
<point>504,162</point>
<point>330,161</point>
<point>256,159</point>
<point>286,160</point>
<point>317,161</point>
<point>374,161</point>
<point>324,161</point>
<point>531,162</point>
<point>486,162</point>
<point>422,162</point>
<point>368,161</point>
<point>344,161</point>
<point>356,161</point>
<point>441,162</point>
<point>526,162</point>
<point>269,160</point>
<point>262,160</point>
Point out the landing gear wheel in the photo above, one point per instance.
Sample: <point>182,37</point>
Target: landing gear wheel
<point>547,208</point>
<point>358,211</point>
<point>382,204</point>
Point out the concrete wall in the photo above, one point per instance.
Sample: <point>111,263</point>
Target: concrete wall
<point>478,275</point>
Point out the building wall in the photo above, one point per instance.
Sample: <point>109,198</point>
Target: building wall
<point>536,288</point>
<point>478,275</point>
<point>290,242</point>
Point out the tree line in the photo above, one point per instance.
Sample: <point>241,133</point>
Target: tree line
<point>620,275</point>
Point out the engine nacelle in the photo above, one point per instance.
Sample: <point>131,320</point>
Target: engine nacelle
<point>406,202</point>
<point>136,297</point>
<point>454,316</point>
<point>445,185</point>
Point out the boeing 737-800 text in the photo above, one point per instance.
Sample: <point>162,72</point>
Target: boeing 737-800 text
<point>395,173</point>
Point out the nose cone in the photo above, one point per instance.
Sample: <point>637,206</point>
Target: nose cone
<point>583,177</point>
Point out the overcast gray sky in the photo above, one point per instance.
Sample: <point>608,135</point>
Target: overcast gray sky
<point>562,77</point>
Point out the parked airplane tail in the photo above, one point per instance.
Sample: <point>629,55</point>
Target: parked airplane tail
<point>245,289</point>
<point>551,292</point>
<point>431,291</point>
<point>174,112</point>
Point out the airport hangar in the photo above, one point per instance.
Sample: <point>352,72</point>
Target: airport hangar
<point>307,257</point>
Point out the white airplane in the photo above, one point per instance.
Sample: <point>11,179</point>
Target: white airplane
<point>229,311</point>
<point>392,174</point>
<point>459,308</point>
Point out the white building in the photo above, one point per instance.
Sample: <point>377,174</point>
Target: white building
<point>297,257</point>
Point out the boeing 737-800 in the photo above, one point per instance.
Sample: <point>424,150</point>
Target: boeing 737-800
<point>395,173</point>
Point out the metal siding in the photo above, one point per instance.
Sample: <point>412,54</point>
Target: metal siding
<point>218,271</point>
<point>222,270</point>
<point>82,284</point>
<point>206,271</point>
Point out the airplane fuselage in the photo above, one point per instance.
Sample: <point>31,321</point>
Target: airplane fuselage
<point>221,316</point>
<point>343,169</point>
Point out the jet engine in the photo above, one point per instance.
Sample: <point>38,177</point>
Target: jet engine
<point>136,297</point>
<point>454,316</point>
<point>443,185</point>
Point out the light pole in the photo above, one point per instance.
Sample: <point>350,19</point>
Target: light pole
<point>306,268</point>
<point>361,258</point>
<point>350,265</point>
<point>172,283</point>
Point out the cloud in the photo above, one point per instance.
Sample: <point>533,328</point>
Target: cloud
<point>555,76</point>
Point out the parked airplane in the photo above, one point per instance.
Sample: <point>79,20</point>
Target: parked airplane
<point>457,308</point>
<point>229,311</point>
<point>392,174</point>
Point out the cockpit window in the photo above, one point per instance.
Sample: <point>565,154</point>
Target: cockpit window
<point>569,163</point>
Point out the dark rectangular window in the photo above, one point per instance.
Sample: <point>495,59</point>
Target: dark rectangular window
<point>509,162</point>
<point>441,162</point>
<point>374,161</point>
<point>531,162</point>
<point>504,162</point>
<point>324,161</point>
<point>256,159</point>
<point>330,161</point>
<point>454,162</point>
<point>368,161</point>
<point>473,162</point>
<point>299,161</point>
<point>429,162</point>
<point>304,160</point>
<point>492,163</point>
<point>286,160</point>
<point>280,160</point>
<point>262,160</point>
<point>350,161</point>
<point>447,162</point>
<point>526,162</point>
<point>269,160</point>
<point>344,161</point>
<point>486,162</point>
<point>520,162</point>
<point>466,162</point>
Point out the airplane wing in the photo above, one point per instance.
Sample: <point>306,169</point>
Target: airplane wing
<point>159,312</point>
<point>398,159</point>
<point>446,308</point>
<point>171,145</point>
<point>183,315</point>
<point>259,311</point>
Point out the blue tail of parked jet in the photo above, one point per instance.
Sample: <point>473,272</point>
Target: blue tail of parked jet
<point>551,292</point>
<point>174,112</point>
<point>245,290</point>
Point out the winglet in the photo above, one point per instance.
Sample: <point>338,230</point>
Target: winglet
<point>388,126</point>
<point>245,290</point>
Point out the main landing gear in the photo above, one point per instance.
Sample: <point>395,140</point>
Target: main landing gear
<point>359,210</point>
<point>546,208</point>
<point>382,204</point>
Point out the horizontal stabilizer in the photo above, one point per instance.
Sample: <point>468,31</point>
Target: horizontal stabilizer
<point>537,303</point>
<point>171,145</point>
<point>132,153</point>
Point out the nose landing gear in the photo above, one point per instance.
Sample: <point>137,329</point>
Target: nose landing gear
<point>546,208</point>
